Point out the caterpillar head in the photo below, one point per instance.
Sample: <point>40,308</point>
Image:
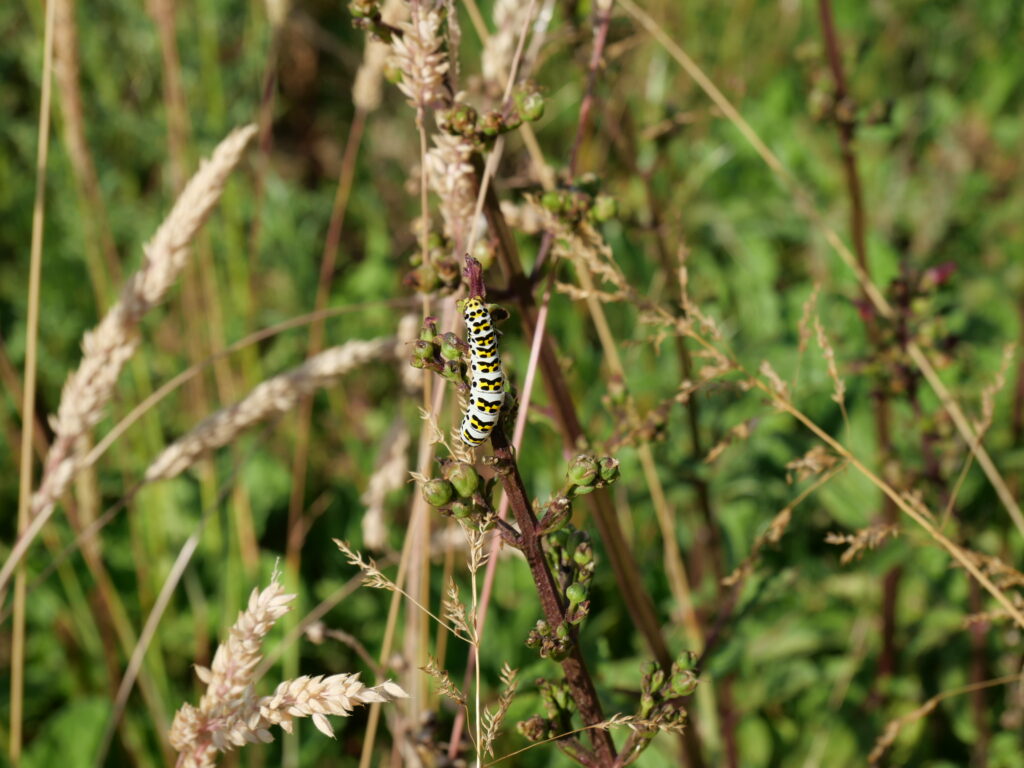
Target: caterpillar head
<point>472,304</point>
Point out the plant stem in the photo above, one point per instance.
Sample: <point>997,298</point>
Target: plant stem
<point>29,402</point>
<point>846,126</point>
<point>574,666</point>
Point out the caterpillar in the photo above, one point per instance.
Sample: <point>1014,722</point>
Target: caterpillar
<point>487,382</point>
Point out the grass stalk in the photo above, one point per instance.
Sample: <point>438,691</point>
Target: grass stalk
<point>29,400</point>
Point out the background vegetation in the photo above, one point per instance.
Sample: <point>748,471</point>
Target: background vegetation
<point>809,657</point>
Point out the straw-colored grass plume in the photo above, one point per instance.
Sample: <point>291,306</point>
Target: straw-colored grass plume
<point>268,399</point>
<point>108,347</point>
<point>451,175</point>
<point>230,714</point>
<point>111,344</point>
<point>417,54</point>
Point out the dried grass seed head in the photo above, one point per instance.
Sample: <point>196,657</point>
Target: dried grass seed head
<point>270,398</point>
<point>417,54</point>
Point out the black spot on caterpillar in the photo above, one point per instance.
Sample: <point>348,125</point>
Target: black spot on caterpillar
<point>487,381</point>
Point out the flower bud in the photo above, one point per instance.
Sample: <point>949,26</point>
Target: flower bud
<point>461,510</point>
<point>450,347</point>
<point>604,208</point>
<point>534,729</point>
<point>392,73</point>
<point>553,200</point>
<point>576,593</point>
<point>511,120</point>
<point>684,683</point>
<point>452,371</point>
<point>609,469</point>
<point>556,515</point>
<point>530,104</point>
<point>363,8</point>
<point>583,554</point>
<point>463,477</point>
<point>483,252</point>
<point>447,270</point>
<point>559,538</point>
<point>685,660</point>
<point>437,492</point>
<point>423,350</point>
<point>462,119</point>
<point>583,470</point>
<point>490,124</point>
<point>657,680</point>
<point>424,278</point>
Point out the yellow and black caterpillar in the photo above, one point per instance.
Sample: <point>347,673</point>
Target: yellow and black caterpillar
<point>487,382</point>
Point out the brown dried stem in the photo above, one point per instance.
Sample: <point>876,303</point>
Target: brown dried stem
<point>627,575</point>
<point>846,127</point>
<point>530,540</point>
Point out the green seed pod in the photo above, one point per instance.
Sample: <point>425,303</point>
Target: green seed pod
<point>534,729</point>
<point>461,510</point>
<point>461,119</point>
<point>463,477</point>
<point>657,680</point>
<point>437,492</point>
<point>415,362</point>
<point>530,104</point>
<point>576,593</point>
<point>424,278</point>
<point>483,252</point>
<point>552,200</point>
<point>556,514</point>
<point>450,347</point>
<point>559,538</point>
<point>511,120</point>
<point>604,208</point>
<point>609,469</point>
<point>583,554</point>
<point>362,9</point>
<point>562,632</point>
<point>583,470</point>
<point>392,74</point>
<point>491,124</point>
<point>684,683</point>
<point>447,269</point>
<point>685,660</point>
<point>423,350</point>
<point>452,372</point>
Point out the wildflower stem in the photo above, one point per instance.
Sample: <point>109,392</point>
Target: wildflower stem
<point>574,666</point>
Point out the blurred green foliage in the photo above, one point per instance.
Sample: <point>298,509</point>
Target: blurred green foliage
<point>800,654</point>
